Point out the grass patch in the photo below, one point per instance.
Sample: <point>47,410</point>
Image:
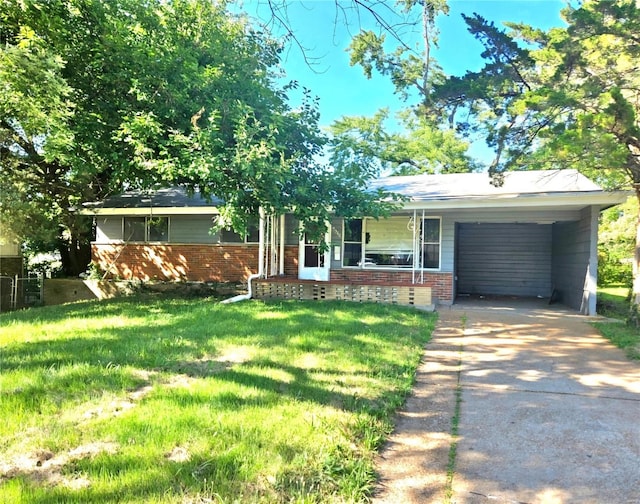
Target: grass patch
<point>613,302</point>
<point>168,401</point>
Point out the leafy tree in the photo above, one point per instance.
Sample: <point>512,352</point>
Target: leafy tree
<point>98,97</point>
<point>420,144</point>
<point>563,98</point>
<point>616,242</point>
<point>417,147</point>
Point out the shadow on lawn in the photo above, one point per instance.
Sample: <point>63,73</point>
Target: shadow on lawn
<point>183,332</point>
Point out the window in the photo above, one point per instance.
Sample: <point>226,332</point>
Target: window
<point>134,229</point>
<point>253,233</point>
<point>431,243</point>
<point>158,229</point>
<point>352,242</point>
<point>140,229</point>
<point>391,242</point>
<point>230,236</point>
<point>313,255</point>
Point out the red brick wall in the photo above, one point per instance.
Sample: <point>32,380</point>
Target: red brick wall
<point>441,283</point>
<point>234,263</point>
<point>200,263</point>
<point>291,260</point>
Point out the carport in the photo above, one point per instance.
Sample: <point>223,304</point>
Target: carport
<point>550,256</point>
<point>534,233</point>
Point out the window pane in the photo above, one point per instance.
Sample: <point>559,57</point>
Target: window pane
<point>230,236</point>
<point>431,256</point>
<point>398,259</point>
<point>352,254</point>
<point>134,229</point>
<point>389,235</point>
<point>432,230</point>
<point>159,229</point>
<point>312,257</point>
<point>353,230</point>
<point>253,235</point>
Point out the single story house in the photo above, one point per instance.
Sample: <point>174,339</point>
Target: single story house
<point>456,235</point>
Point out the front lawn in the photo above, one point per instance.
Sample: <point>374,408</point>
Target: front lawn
<point>191,401</point>
<point>613,302</point>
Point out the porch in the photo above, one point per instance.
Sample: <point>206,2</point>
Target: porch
<point>293,288</point>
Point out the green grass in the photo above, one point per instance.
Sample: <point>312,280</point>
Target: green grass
<point>192,401</point>
<point>613,303</point>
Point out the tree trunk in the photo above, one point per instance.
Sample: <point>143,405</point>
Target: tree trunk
<point>75,255</point>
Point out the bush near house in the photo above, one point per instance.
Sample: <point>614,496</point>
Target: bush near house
<point>169,400</point>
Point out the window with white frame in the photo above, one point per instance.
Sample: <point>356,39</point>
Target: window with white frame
<point>430,238</point>
<point>146,229</point>
<point>392,243</point>
<point>352,255</point>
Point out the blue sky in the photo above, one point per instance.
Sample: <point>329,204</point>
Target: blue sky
<point>325,33</point>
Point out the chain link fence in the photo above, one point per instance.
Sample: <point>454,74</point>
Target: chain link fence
<point>17,293</point>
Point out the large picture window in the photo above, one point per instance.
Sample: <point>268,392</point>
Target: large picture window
<point>141,229</point>
<point>389,242</point>
<point>394,242</point>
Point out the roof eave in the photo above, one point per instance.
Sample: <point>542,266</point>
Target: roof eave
<point>599,198</point>
<point>151,210</point>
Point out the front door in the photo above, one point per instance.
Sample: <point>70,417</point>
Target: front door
<point>312,264</point>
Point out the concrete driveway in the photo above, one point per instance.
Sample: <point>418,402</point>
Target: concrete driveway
<point>549,412</point>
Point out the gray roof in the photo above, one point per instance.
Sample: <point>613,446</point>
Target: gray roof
<point>173,197</point>
<point>479,185</point>
<point>444,191</point>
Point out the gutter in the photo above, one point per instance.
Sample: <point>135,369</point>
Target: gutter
<point>261,247</point>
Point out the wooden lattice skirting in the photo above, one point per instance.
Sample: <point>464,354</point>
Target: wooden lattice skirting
<point>418,295</point>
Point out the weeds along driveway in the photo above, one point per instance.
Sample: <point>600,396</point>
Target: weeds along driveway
<point>547,412</point>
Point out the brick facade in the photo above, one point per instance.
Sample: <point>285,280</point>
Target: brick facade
<point>291,260</point>
<point>234,263</point>
<point>198,263</point>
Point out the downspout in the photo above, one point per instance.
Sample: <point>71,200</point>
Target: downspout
<point>249,294</point>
